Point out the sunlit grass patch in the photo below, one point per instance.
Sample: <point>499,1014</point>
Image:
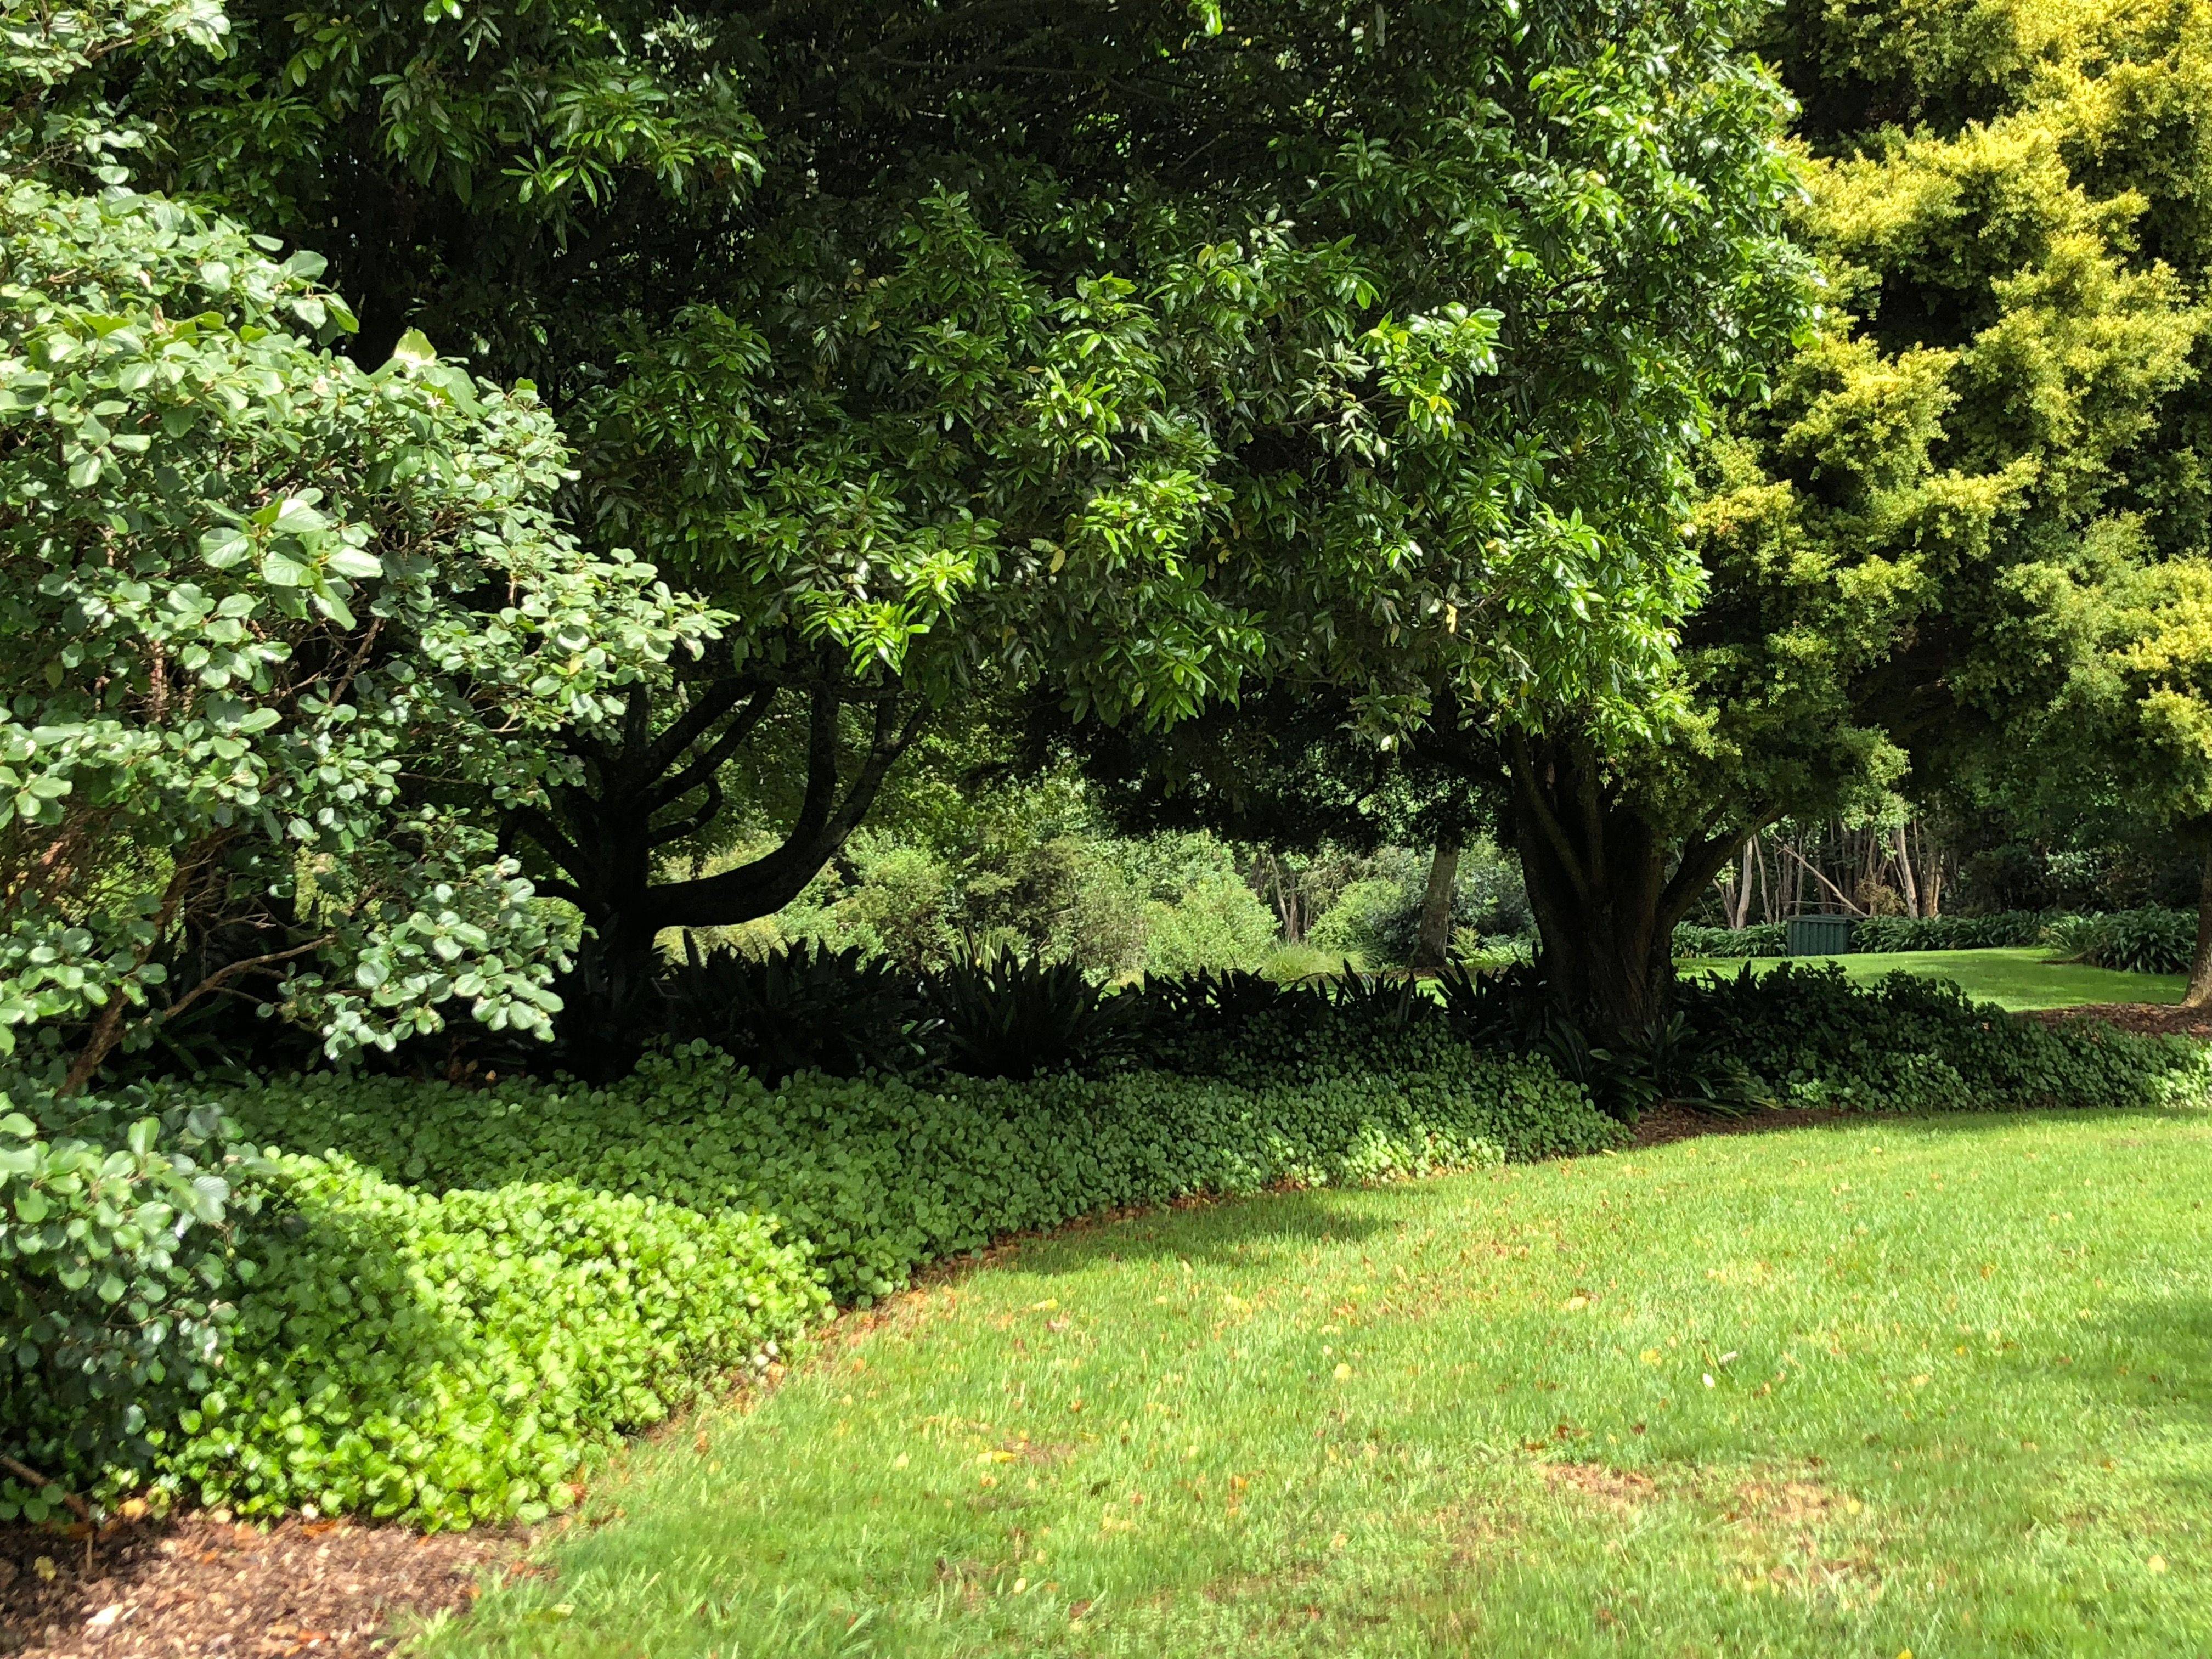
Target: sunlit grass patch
<point>2014,976</point>
<point>1936,1385</point>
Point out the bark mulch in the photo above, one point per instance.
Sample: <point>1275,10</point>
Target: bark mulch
<point>194,1588</point>
<point>2148,1018</point>
<point>1664,1123</point>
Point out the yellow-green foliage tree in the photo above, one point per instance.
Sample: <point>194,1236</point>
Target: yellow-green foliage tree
<point>2102,146</point>
<point>1913,550</point>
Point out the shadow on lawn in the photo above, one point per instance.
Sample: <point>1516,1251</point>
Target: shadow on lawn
<point>1256,1231</point>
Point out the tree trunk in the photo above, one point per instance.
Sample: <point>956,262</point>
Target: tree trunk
<point>1608,884</point>
<point>1433,942</point>
<point>2199,993</point>
<point>1904,874</point>
<point>1739,912</point>
<point>604,835</point>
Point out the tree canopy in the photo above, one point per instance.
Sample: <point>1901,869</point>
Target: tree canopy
<point>1135,351</point>
<point>1945,518</point>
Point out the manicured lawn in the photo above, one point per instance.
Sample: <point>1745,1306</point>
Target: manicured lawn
<point>1935,1385</point>
<point>2015,977</point>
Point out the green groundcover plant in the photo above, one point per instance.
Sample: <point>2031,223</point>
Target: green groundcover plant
<point>458,1296</point>
<point>438,1304</point>
<point>882,1175</point>
<point>271,1332</point>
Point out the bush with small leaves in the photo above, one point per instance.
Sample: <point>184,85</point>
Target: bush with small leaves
<point>446,1359</point>
<point>882,1175</point>
<point>118,1271</point>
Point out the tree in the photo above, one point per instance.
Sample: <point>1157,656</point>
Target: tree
<point>1993,418</point>
<point>275,626</point>
<point>951,348</point>
<point>2126,747</point>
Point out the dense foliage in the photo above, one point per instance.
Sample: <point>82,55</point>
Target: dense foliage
<point>2147,941</point>
<point>118,1280</point>
<point>451,1357</point>
<point>272,622</point>
<point>1813,1038</point>
<point>1130,350</point>
<point>1964,531</point>
<point>271,1332</point>
<point>881,1176</point>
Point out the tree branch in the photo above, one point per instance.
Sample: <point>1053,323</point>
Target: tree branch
<point>702,771</point>
<point>1521,761</point>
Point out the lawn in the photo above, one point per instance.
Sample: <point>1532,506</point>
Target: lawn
<point>1937,1386</point>
<point>2014,978</point>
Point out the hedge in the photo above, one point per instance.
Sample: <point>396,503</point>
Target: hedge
<point>882,1175</point>
<point>1908,1044</point>
<point>317,1336</point>
<point>1872,933</point>
<point>441,1303</point>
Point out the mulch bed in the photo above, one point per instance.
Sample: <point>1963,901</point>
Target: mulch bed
<point>2146,1019</point>
<point>194,1588</point>
<point>1664,1123</point>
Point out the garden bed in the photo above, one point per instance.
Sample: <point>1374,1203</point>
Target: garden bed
<point>215,1589</point>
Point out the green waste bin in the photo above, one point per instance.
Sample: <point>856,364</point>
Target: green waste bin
<point>1819,936</point>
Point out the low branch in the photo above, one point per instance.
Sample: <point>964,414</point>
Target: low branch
<point>1806,865</point>
<point>31,1477</point>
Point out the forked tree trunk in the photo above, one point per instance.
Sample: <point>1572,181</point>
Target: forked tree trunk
<point>606,834</point>
<point>2199,993</point>
<point>1433,942</point>
<point>1608,885</point>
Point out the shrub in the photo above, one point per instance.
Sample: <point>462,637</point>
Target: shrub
<point>2133,941</point>
<point>118,1265</point>
<point>1871,934</point>
<point>1363,920</point>
<point>1913,1044</point>
<point>903,906</point>
<point>882,1175</point>
<point>1981,932</point>
<point>270,1331</point>
<point>1291,963</point>
<point>1220,922</point>
<point>455,1358</point>
<point>1766,938</point>
<point>802,1008</point>
<point>1010,1016</point>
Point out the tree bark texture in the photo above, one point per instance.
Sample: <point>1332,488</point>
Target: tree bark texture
<point>1433,942</point>
<point>2199,993</point>
<point>1608,885</point>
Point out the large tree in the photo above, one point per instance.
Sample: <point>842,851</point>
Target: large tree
<point>953,347</point>
<point>1995,430</point>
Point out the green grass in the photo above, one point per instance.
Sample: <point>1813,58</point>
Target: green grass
<point>1938,1385</point>
<point>2013,977</point>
